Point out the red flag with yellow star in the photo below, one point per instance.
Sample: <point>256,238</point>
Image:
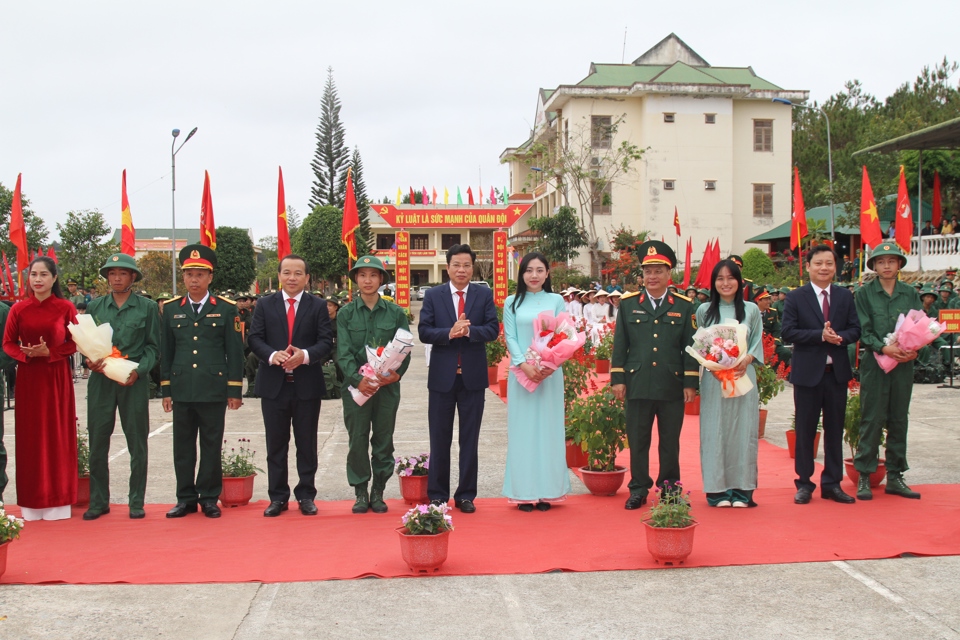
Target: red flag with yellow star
<point>798,225</point>
<point>351,219</point>
<point>676,221</point>
<point>128,235</point>
<point>283,232</point>
<point>208,230</point>
<point>870,233</point>
<point>904,226</point>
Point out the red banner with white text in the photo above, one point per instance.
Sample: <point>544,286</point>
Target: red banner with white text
<point>499,267</point>
<point>402,270</point>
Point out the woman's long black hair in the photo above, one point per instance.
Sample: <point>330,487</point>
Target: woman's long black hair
<point>522,285</point>
<point>52,268</point>
<point>712,315</point>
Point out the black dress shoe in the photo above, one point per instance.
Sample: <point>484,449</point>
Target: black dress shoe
<point>837,495</point>
<point>211,510</point>
<point>803,497</point>
<point>276,508</point>
<point>526,508</point>
<point>635,502</point>
<point>543,506</point>
<point>93,514</point>
<point>307,507</point>
<point>466,506</point>
<point>181,510</point>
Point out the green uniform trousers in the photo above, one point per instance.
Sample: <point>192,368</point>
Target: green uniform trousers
<point>885,404</point>
<point>640,415</point>
<point>105,398</point>
<point>189,420</point>
<point>370,428</point>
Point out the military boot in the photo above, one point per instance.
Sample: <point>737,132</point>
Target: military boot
<point>363,499</point>
<point>863,487</point>
<point>897,487</point>
<point>376,500</point>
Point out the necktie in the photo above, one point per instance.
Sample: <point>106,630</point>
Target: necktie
<point>291,314</point>
<point>460,307</point>
<point>826,306</point>
<point>196,307</point>
<point>656,302</point>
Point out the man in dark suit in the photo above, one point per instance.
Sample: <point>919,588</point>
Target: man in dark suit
<point>458,320</point>
<point>291,336</point>
<point>820,319</point>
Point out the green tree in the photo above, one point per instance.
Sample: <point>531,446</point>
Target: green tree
<point>364,235</point>
<point>157,273</point>
<point>236,260</point>
<point>757,266</point>
<point>37,233</point>
<point>85,244</point>
<point>332,156</point>
<point>560,235</point>
<point>320,245</point>
<point>267,272</point>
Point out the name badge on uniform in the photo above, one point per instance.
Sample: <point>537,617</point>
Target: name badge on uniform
<point>674,314</point>
<point>217,315</point>
<point>179,315</point>
<point>639,311</point>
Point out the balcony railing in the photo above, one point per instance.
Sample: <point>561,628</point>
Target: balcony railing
<point>938,252</point>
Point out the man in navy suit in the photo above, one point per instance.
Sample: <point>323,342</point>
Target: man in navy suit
<point>458,320</point>
<point>820,319</point>
<point>291,336</point>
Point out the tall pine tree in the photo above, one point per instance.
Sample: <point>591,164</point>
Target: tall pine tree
<point>331,158</point>
<point>364,241</point>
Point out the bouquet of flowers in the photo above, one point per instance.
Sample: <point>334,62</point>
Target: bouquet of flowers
<point>720,348</point>
<point>913,331</point>
<point>555,338</point>
<point>383,359</point>
<point>96,342</point>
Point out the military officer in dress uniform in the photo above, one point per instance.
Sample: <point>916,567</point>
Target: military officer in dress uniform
<point>201,376</point>
<point>884,397</point>
<point>651,370</point>
<point>136,335</point>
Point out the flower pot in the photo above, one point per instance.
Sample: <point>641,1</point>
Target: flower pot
<point>876,478</point>
<point>792,443</point>
<point>3,556</point>
<point>576,456</point>
<point>503,387</point>
<point>692,408</point>
<point>237,492</point>
<point>424,554</point>
<point>492,375</point>
<point>763,423</point>
<point>603,483</point>
<point>603,366</point>
<point>83,491</point>
<point>414,489</point>
<point>668,545</point>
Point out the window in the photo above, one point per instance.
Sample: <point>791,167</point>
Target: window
<point>763,199</point>
<point>419,241</point>
<point>386,240</point>
<point>710,118</point>
<point>602,203</point>
<point>447,240</point>
<point>668,185</point>
<point>763,135</point>
<point>710,185</point>
<point>670,117</point>
<point>601,132</point>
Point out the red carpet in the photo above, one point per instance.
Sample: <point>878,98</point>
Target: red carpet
<point>585,533</point>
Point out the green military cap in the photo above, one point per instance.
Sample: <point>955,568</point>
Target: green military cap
<point>760,293</point>
<point>164,296</point>
<point>120,261</point>
<point>656,252</point>
<point>71,281</point>
<point>948,284</point>
<point>927,290</point>
<point>369,262</point>
<point>689,289</point>
<point>197,256</point>
<point>886,249</point>
<point>784,290</point>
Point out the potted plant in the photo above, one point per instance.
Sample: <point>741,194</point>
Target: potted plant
<point>770,378</point>
<point>496,351</point>
<point>413,471</point>
<point>238,474</point>
<point>576,380</point>
<point>851,435</point>
<point>669,525</point>
<point>425,537</point>
<point>792,438</point>
<point>83,469</point>
<point>692,408</point>
<point>599,425</point>
<point>9,531</point>
<point>603,353</point>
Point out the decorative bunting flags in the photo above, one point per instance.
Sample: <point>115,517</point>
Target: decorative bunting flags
<point>505,197</point>
<point>434,199</point>
<point>208,229</point>
<point>128,236</point>
<point>413,196</point>
<point>459,197</point>
<point>446,196</point>
<point>399,197</point>
<point>469,195</point>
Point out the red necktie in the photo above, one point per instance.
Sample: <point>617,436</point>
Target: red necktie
<point>460,307</point>
<point>826,306</point>
<point>291,314</point>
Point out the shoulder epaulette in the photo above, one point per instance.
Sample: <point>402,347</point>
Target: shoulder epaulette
<point>226,300</point>
<point>174,298</point>
<point>629,295</point>
<point>683,297</point>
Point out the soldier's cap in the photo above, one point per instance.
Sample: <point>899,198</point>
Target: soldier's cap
<point>673,286</point>
<point>164,296</point>
<point>198,256</point>
<point>927,290</point>
<point>656,252</point>
<point>332,300</point>
<point>615,294</point>
<point>242,296</point>
<point>369,262</point>
<point>689,289</point>
<point>121,261</point>
<point>886,249</point>
<point>784,290</point>
<point>919,285</point>
<point>71,281</point>
<point>145,294</point>
<point>705,292</point>
<point>759,293</point>
<point>947,283</point>
<point>737,259</point>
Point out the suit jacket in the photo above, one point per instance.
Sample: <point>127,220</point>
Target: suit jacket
<point>803,326</point>
<point>437,316</point>
<point>311,332</point>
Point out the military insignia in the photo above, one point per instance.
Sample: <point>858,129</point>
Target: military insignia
<point>116,258</point>
<point>194,254</point>
<point>366,260</point>
<point>236,324</point>
<point>213,315</point>
<point>670,299</point>
<point>177,316</point>
<point>643,297</point>
<point>674,314</point>
<point>652,251</point>
<point>639,311</point>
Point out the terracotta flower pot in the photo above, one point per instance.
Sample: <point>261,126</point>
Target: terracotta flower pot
<point>792,443</point>
<point>83,491</point>
<point>603,483</point>
<point>603,366</point>
<point>503,387</point>
<point>237,492</point>
<point>576,456</point>
<point>492,375</point>
<point>3,556</point>
<point>876,478</point>
<point>414,489</point>
<point>692,408</point>
<point>668,545</point>
<point>763,423</point>
<point>424,554</point>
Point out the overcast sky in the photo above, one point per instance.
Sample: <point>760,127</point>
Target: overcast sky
<point>432,92</point>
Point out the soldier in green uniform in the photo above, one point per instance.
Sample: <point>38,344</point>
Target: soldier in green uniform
<point>369,321</point>
<point>703,295</point>
<point>651,371</point>
<point>201,376</point>
<point>884,397</point>
<point>5,361</point>
<point>74,295</point>
<point>781,296</point>
<point>251,361</point>
<point>771,322</point>
<point>136,335</point>
<point>931,353</point>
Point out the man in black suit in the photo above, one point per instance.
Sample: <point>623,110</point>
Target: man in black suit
<point>820,319</point>
<point>458,320</point>
<point>291,336</point>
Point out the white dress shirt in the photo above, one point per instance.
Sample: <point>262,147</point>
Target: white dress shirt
<point>296,308</point>
<point>456,300</point>
<point>818,290</point>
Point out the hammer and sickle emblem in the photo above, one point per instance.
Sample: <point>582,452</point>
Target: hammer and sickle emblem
<point>383,210</point>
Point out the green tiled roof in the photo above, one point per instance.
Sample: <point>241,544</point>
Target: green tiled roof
<point>625,75</point>
<point>192,236</point>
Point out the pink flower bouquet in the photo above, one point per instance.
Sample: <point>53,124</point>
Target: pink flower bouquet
<point>719,348</point>
<point>913,331</point>
<point>555,339</point>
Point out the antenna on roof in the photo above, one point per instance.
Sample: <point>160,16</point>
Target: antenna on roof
<point>623,55</point>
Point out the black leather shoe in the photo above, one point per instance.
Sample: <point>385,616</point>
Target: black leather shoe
<point>635,502</point>
<point>526,508</point>
<point>803,497</point>
<point>837,495</point>
<point>543,506</point>
<point>466,506</point>
<point>182,509</point>
<point>137,514</point>
<point>276,508</point>
<point>211,510</point>
<point>307,507</point>
<point>93,514</point>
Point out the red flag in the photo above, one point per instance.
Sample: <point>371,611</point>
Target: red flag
<point>469,195</point>
<point>937,206</point>
<point>676,221</point>
<point>11,290</point>
<point>52,254</point>
<point>127,233</point>
<point>904,227</point>
<point>493,196</point>
<point>256,287</point>
<point>424,198</point>
<point>413,196</point>
<point>18,233</point>
<point>283,233</point>
<point>798,226</point>
<point>870,233</point>
<point>208,230</point>
<point>703,273</point>
<point>351,219</point>
<point>434,198</point>
<point>686,264</point>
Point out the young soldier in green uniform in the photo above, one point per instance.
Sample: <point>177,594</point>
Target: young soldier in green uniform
<point>369,321</point>
<point>651,370</point>
<point>884,397</point>
<point>136,334</point>
<point>771,323</point>
<point>781,296</point>
<point>201,376</point>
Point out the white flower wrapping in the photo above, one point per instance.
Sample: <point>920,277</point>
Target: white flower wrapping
<point>96,342</point>
<point>705,336</point>
<point>390,360</point>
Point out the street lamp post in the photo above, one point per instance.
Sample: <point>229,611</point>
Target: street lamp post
<point>173,203</point>
<point>833,223</point>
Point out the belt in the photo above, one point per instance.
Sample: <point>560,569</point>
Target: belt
<point>829,368</point>
<point>288,377</point>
